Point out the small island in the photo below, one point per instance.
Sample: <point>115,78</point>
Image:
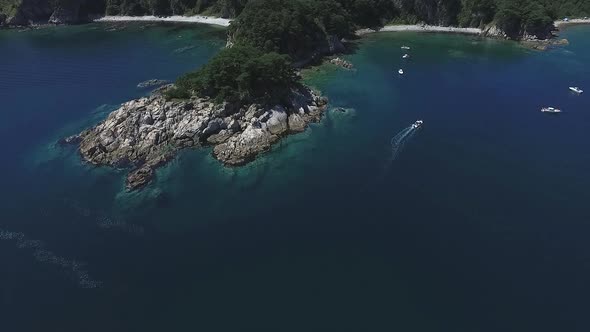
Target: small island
<point>250,94</point>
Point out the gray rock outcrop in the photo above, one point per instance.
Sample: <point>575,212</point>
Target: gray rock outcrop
<point>341,63</point>
<point>146,133</point>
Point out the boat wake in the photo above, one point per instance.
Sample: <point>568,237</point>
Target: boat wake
<point>398,143</point>
<point>71,267</point>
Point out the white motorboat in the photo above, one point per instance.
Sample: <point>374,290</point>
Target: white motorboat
<point>576,89</point>
<point>406,56</point>
<point>417,124</point>
<point>405,47</point>
<point>550,110</point>
<point>401,71</point>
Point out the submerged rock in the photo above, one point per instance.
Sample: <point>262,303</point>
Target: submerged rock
<point>146,133</point>
<point>152,83</point>
<point>74,139</point>
<point>542,45</point>
<point>139,177</point>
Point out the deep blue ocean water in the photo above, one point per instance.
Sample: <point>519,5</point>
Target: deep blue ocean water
<point>479,224</point>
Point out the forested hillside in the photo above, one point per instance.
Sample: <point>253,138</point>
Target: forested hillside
<point>224,8</point>
<point>24,12</point>
<point>269,18</point>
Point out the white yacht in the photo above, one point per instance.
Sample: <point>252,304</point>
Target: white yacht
<point>550,110</point>
<point>405,47</point>
<point>576,89</point>
<point>417,124</point>
<point>406,56</point>
<point>401,71</point>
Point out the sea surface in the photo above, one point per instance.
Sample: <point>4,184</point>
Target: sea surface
<point>477,221</point>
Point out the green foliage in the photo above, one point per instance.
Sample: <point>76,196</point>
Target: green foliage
<point>9,7</point>
<point>476,12</point>
<point>533,17</point>
<point>370,13</point>
<point>226,8</point>
<point>241,74</point>
<point>294,27</point>
<point>177,93</point>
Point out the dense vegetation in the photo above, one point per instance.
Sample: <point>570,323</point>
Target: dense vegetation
<point>225,8</point>
<point>293,27</point>
<point>297,27</point>
<point>515,17</point>
<point>240,74</point>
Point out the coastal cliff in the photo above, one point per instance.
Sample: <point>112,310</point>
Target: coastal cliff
<point>146,133</point>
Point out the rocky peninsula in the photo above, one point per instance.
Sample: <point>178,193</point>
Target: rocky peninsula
<point>145,133</point>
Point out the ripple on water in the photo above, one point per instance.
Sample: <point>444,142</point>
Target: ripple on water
<point>70,267</point>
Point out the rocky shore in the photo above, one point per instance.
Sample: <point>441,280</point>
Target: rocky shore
<point>152,83</point>
<point>146,133</point>
<point>337,61</point>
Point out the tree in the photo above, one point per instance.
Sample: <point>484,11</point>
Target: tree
<point>240,74</point>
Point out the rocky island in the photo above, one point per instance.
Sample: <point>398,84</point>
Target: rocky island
<point>144,134</point>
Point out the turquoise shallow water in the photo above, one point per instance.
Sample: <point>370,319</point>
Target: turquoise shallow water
<point>479,224</point>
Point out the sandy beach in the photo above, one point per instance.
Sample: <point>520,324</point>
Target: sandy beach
<point>422,28</point>
<point>572,22</point>
<point>176,19</point>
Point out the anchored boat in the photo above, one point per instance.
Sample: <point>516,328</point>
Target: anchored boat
<point>405,47</point>
<point>550,110</point>
<point>576,89</point>
<point>406,56</point>
<point>401,71</point>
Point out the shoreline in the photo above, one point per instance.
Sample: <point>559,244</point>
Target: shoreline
<point>574,21</point>
<point>223,22</point>
<point>421,28</point>
<point>146,133</point>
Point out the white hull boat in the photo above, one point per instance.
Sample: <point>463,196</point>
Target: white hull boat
<point>417,124</point>
<point>550,110</point>
<point>576,89</point>
<point>401,71</point>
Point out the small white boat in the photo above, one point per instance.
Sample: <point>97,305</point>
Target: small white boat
<point>417,124</point>
<point>405,47</point>
<point>576,89</point>
<point>405,56</point>
<point>401,71</point>
<point>550,110</point>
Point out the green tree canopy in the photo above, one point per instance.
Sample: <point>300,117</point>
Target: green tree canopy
<point>240,74</point>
